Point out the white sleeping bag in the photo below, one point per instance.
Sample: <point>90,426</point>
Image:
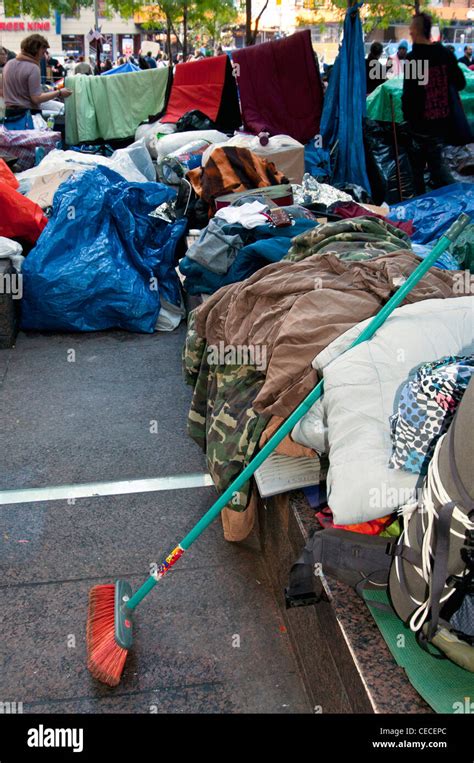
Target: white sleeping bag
<point>361,392</point>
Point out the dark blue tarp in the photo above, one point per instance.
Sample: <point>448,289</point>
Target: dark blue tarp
<point>124,69</point>
<point>434,212</point>
<point>102,262</point>
<point>345,106</point>
<point>317,162</point>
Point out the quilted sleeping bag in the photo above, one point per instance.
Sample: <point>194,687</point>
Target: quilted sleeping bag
<point>361,392</point>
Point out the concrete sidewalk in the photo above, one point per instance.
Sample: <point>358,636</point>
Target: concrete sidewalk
<point>79,408</point>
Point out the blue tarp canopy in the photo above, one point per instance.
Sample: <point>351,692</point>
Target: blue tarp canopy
<point>345,105</point>
<point>124,69</point>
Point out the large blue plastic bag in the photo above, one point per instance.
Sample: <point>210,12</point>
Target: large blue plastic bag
<point>102,262</point>
<point>434,212</point>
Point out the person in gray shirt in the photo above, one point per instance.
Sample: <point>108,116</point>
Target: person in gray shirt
<point>82,67</point>
<point>22,89</point>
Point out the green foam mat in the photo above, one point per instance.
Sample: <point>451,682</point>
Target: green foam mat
<point>445,686</point>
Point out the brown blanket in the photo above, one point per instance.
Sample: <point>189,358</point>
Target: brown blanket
<point>292,311</point>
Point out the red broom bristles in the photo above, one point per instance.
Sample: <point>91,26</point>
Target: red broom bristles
<point>105,658</point>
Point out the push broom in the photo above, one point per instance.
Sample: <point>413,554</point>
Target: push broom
<point>109,624</point>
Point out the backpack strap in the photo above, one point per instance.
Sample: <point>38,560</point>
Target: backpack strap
<point>405,552</point>
<point>466,499</point>
<point>439,573</point>
<point>443,533</point>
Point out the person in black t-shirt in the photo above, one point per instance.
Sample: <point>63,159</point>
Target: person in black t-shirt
<point>467,57</point>
<point>375,72</point>
<point>432,79</point>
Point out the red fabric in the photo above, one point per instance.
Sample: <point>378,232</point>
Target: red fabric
<point>197,85</point>
<point>280,87</point>
<point>20,217</point>
<point>7,176</point>
<point>373,527</point>
<point>348,209</point>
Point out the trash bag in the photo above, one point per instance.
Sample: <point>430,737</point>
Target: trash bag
<point>435,211</point>
<point>358,193</point>
<point>102,261</point>
<point>381,161</point>
<point>194,120</point>
<point>460,160</point>
<point>20,218</point>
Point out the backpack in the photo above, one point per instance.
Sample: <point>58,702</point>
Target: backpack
<point>353,558</point>
<point>431,582</point>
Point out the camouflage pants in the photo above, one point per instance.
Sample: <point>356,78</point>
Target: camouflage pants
<point>221,419</point>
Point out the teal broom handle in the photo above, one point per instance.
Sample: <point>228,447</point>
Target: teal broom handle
<point>286,427</point>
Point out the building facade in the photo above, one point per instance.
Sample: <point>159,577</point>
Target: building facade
<point>68,35</point>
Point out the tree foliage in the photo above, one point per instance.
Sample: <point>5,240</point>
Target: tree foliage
<point>203,17</point>
<point>375,13</point>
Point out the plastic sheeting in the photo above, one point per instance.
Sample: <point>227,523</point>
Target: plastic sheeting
<point>102,262</point>
<point>11,250</point>
<point>132,163</point>
<point>149,132</point>
<point>434,212</point>
<point>124,69</point>
<point>169,143</point>
<point>381,158</point>
<point>345,105</point>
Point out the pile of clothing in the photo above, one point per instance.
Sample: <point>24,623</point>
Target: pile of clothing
<point>290,311</point>
<point>238,241</point>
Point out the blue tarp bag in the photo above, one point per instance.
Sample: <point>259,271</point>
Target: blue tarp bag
<point>102,262</point>
<point>435,211</point>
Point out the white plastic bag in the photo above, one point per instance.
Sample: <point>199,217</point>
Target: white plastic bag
<point>13,251</point>
<point>139,155</point>
<point>38,122</point>
<point>170,316</point>
<point>149,133</point>
<point>56,160</point>
<point>169,143</point>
